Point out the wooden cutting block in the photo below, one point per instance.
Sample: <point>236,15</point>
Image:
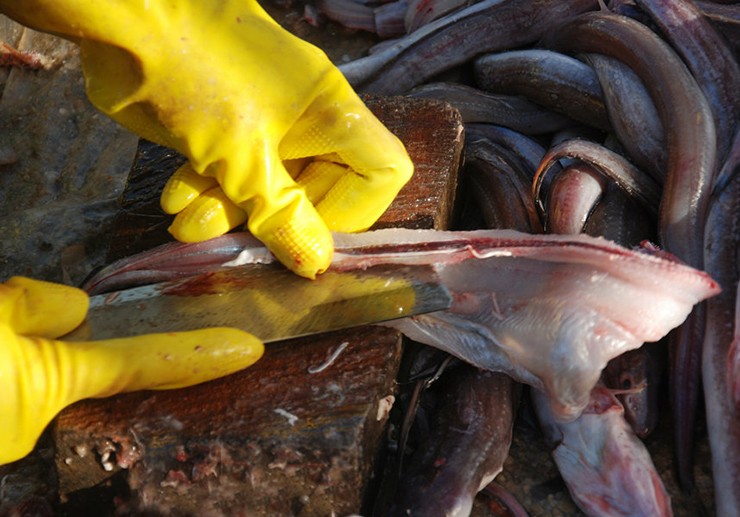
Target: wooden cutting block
<point>293,434</point>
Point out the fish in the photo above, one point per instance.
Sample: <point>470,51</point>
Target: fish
<point>548,310</point>
<point>421,12</point>
<point>572,197</point>
<point>634,375</point>
<point>691,141</point>
<point>635,378</point>
<point>607,469</point>
<point>609,163</point>
<point>515,145</point>
<point>471,432</point>
<point>551,79</point>
<point>709,58</point>
<point>453,39</point>
<point>477,106</point>
<point>500,187</point>
<point>632,114</point>
<point>723,416</point>
<point>725,18</point>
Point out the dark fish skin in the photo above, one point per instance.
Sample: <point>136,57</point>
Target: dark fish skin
<point>556,81</point>
<point>632,114</point>
<point>681,106</point>
<point>527,151</point>
<point>470,439</point>
<point>487,26</point>
<point>692,144</point>
<point>477,106</point>
<point>612,165</point>
<point>725,18</point>
<point>709,59</point>
<point>638,373</point>
<point>621,219</point>
<point>722,260</point>
<point>500,188</point>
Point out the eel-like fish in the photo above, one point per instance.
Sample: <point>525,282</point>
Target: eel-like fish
<point>635,375</point>
<point>516,145</point>
<point>632,114</point>
<point>692,146</point>
<point>607,469</point>
<point>725,18</point>
<point>470,437</point>
<point>612,165</point>
<point>422,12</point>
<point>497,182</point>
<point>577,193</point>
<point>723,415</point>
<point>709,58</point>
<point>477,106</point>
<point>550,311</point>
<point>487,26</point>
<point>572,196</point>
<point>682,108</point>
<point>558,82</point>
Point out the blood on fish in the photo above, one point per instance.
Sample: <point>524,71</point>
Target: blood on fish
<point>553,323</point>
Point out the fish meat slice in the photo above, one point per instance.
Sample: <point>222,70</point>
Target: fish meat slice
<point>549,310</point>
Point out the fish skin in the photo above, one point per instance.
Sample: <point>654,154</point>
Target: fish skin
<point>469,441</point>
<point>632,114</point>
<point>552,79</point>
<point>723,417</point>
<point>612,165</point>
<point>709,58</point>
<point>635,375</point>
<point>691,141</point>
<point>500,185</point>
<point>486,26</point>
<point>572,196</point>
<point>543,308</point>
<point>477,106</point>
<point>607,469</point>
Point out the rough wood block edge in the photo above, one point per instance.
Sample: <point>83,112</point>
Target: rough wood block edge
<point>264,441</point>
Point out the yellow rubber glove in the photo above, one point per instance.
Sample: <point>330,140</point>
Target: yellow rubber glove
<point>258,112</point>
<point>39,376</point>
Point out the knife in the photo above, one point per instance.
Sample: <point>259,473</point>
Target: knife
<point>267,301</point>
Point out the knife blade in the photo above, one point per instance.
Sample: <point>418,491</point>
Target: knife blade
<point>266,300</point>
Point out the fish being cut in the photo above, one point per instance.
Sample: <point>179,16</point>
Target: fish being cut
<point>548,310</point>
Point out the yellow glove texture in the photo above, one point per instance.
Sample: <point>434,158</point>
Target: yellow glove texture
<point>39,375</point>
<point>273,132</point>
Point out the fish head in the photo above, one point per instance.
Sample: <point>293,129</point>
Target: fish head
<point>603,460</point>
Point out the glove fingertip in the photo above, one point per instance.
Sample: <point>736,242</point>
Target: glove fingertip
<point>210,215</point>
<point>67,304</point>
<point>184,187</point>
<point>299,239</point>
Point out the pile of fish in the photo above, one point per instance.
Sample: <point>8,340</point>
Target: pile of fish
<point>591,131</point>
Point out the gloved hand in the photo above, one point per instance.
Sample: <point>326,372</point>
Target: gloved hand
<point>272,130</point>
<point>39,376</point>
